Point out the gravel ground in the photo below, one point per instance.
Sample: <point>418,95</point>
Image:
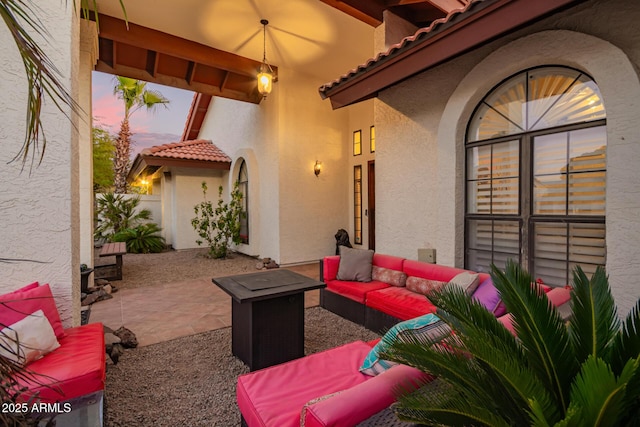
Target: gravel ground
<point>191,381</point>
<point>175,266</point>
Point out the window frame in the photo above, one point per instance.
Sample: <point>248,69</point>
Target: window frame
<point>525,216</point>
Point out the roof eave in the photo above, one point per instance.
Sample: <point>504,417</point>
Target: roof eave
<point>486,21</point>
<point>144,161</point>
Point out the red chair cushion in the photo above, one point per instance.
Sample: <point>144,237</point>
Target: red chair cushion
<point>399,302</point>
<point>76,368</point>
<point>356,291</point>
<point>19,304</point>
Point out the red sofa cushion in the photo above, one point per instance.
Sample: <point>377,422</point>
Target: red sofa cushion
<point>388,261</point>
<point>275,396</point>
<point>19,304</point>
<point>356,291</point>
<point>76,368</point>
<point>442,273</point>
<point>399,302</point>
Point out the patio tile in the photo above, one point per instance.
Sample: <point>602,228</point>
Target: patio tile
<point>164,312</point>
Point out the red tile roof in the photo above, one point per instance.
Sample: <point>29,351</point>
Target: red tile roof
<point>403,45</point>
<point>198,149</point>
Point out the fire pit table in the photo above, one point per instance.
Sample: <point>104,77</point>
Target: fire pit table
<point>267,315</point>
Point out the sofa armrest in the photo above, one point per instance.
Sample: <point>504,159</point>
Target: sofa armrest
<point>362,401</point>
<point>330,267</point>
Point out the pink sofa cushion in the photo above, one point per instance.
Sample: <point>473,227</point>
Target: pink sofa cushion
<point>430,271</point>
<point>330,266</point>
<point>356,291</point>
<point>399,302</point>
<point>76,368</point>
<point>364,400</point>
<point>388,261</point>
<point>275,396</point>
<point>17,305</point>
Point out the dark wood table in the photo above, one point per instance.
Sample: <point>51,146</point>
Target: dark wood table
<point>267,315</point>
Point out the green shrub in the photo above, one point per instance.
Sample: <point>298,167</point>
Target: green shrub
<point>142,239</point>
<point>218,226</point>
<point>585,372</point>
<point>115,212</point>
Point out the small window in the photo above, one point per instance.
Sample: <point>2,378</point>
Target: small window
<point>357,204</point>
<point>372,139</point>
<point>357,142</point>
<point>243,186</point>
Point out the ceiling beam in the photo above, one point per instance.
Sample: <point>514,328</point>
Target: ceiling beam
<point>367,11</point>
<point>116,30</point>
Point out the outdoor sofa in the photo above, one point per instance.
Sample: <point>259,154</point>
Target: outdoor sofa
<point>349,384</point>
<point>66,365</point>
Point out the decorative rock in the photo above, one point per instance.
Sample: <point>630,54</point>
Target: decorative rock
<point>101,282</point>
<point>111,339</point>
<point>90,299</point>
<point>128,338</point>
<point>260,266</point>
<point>266,261</point>
<point>107,289</point>
<point>272,264</point>
<point>116,351</point>
<point>102,295</point>
<point>92,289</point>
<point>114,289</point>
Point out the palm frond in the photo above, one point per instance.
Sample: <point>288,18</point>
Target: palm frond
<point>601,405</point>
<point>541,331</point>
<point>595,322</point>
<point>439,403</point>
<point>42,75</point>
<point>627,342</point>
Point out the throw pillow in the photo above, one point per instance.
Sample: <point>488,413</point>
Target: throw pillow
<point>487,295</point>
<point>428,326</point>
<point>355,264</point>
<point>423,286</point>
<point>387,275</point>
<point>467,281</point>
<point>17,305</point>
<point>28,339</point>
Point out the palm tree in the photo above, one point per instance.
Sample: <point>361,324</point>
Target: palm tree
<point>583,372</point>
<point>135,96</point>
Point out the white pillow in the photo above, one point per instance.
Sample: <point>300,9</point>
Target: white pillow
<point>468,281</point>
<point>28,339</point>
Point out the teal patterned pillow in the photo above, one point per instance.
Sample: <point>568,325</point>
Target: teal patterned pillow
<point>428,325</point>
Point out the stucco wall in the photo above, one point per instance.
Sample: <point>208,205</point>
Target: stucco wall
<point>186,193</point>
<point>39,204</point>
<point>422,123</point>
<point>293,214</point>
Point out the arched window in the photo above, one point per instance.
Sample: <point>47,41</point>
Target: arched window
<point>243,186</point>
<point>536,175</point>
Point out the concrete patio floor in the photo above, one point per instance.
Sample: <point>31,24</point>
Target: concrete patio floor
<point>164,312</point>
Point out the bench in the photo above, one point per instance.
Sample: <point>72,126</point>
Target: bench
<point>116,249</point>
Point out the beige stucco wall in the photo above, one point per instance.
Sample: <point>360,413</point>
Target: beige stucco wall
<point>293,214</point>
<point>187,192</point>
<point>421,124</point>
<point>39,213</point>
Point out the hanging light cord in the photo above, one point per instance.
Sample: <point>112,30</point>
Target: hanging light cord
<point>264,23</point>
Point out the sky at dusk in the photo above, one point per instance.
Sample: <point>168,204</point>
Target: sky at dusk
<point>148,128</point>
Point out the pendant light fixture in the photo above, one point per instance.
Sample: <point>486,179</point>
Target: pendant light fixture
<point>265,76</point>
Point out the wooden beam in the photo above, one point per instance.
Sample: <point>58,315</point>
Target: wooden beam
<point>367,11</point>
<point>180,83</point>
<point>116,29</point>
<point>191,69</point>
<point>152,62</point>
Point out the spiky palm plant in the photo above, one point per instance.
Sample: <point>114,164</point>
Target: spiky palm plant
<point>583,372</point>
<point>115,213</point>
<point>142,239</point>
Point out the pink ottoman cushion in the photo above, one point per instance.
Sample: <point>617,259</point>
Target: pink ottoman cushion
<point>275,396</point>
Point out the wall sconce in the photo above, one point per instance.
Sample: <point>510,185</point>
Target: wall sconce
<point>265,76</point>
<point>317,168</point>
